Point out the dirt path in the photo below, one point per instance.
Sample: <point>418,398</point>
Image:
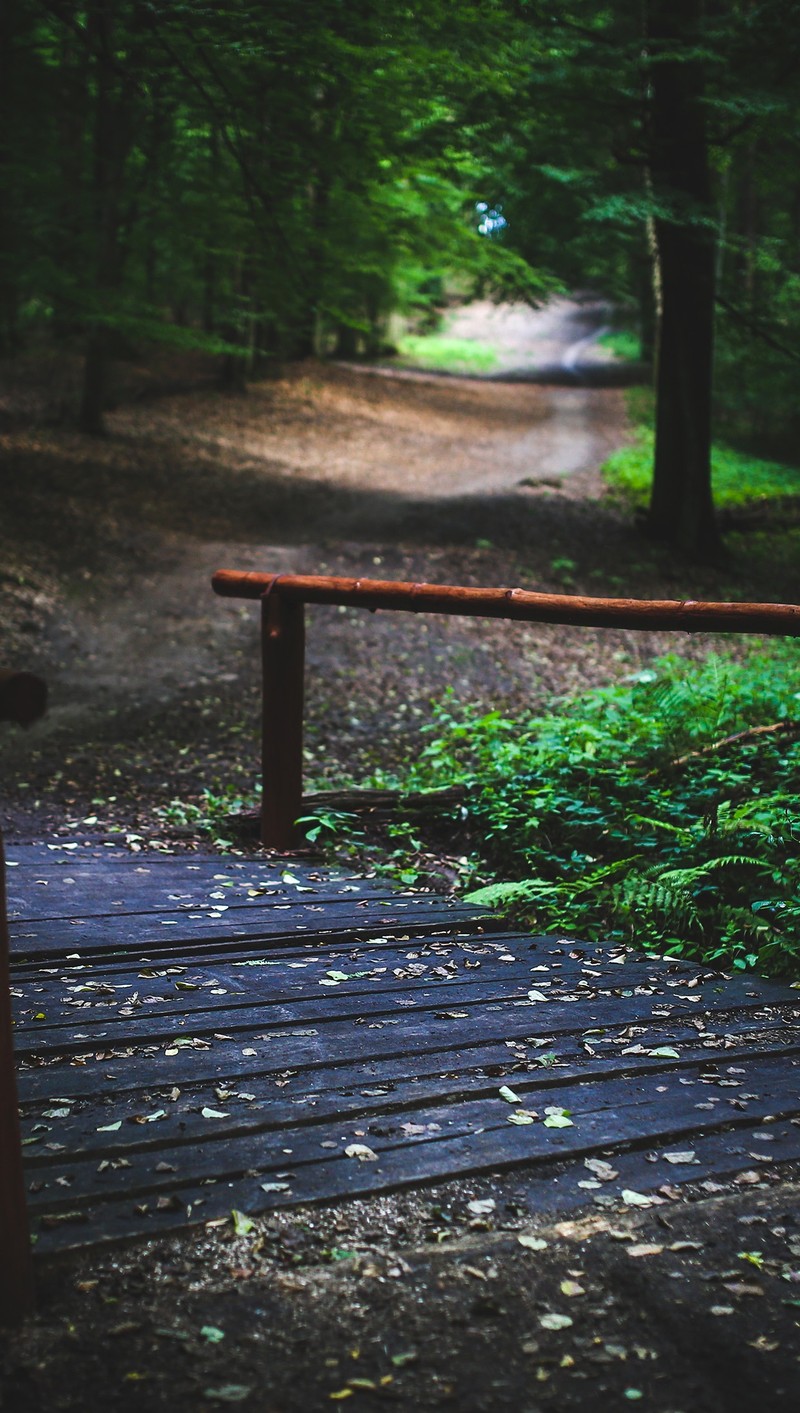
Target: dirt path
<point>111,544</point>
<point>329,469</point>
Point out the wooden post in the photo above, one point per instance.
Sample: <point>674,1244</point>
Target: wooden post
<point>23,698</point>
<point>282,663</point>
<point>16,1269</point>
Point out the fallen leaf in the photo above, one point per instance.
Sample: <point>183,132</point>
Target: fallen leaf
<point>635,1199</point>
<point>572,1289</point>
<point>242,1224</point>
<point>481,1206</point>
<point>213,1113</point>
<point>274,1186</point>
<point>362,1152</point>
<point>522,1116</point>
<point>644,1249</point>
<point>504,1092</point>
<point>212,1334</point>
<point>685,1157</point>
<point>229,1393</point>
<point>532,1243</point>
<point>601,1169</point>
<point>557,1118</point>
<point>664,1052</point>
<point>553,1321</point>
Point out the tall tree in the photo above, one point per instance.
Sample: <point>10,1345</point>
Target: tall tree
<point>681,506</point>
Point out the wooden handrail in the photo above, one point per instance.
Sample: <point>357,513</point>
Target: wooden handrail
<point>23,697</point>
<point>283,597</point>
<point>684,615</point>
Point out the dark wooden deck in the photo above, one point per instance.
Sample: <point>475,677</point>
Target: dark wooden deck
<point>196,1034</point>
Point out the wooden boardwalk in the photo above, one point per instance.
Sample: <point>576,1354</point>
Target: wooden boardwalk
<point>196,1033</point>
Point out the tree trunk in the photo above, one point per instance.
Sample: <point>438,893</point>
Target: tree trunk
<point>109,161</point>
<point>346,341</point>
<point>681,507</point>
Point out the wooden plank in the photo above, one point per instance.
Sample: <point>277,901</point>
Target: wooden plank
<point>307,1137</point>
<point>101,891</point>
<point>252,1104</point>
<point>403,1038</point>
<point>192,1008</point>
<point>204,987</point>
<point>84,936</point>
<point>551,1186</point>
<point>305,1176</point>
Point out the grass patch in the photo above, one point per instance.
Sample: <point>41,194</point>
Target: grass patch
<point>623,344</point>
<point>444,354</point>
<point>738,479</point>
<point>627,815</point>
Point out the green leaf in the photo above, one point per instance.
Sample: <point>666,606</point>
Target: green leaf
<point>509,1095</point>
<point>242,1224</point>
<point>212,1334</point>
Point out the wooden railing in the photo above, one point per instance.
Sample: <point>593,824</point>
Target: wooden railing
<point>22,699</point>
<point>283,597</point>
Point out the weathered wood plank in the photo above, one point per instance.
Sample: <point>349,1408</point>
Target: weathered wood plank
<point>307,1137</point>
<point>303,1021</point>
<point>255,1105</point>
<point>144,932</point>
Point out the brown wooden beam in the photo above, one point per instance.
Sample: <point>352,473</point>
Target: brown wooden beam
<point>16,1270</point>
<point>23,697</point>
<point>688,616</point>
<point>283,661</point>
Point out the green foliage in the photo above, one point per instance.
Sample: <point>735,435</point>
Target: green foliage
<point>622,342</point>
<point>446,354</point>
<point>626,814</point>
<point>738,479</point>
<point>328,825</point>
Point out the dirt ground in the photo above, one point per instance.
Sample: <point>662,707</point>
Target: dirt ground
<point>107,548</point>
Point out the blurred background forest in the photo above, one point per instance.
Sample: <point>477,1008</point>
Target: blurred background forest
<point>266,181</point>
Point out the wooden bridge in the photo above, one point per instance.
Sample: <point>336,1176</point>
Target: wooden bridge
<point>196,1034</point>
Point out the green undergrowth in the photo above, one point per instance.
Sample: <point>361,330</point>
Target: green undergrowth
<point>623,343</point>
<point>444,354</point>
<point>627,814</point>
<point>738,479</point>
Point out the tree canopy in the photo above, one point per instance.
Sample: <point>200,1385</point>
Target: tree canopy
<point>266,181</point>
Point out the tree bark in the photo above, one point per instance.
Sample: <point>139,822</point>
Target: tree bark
<point>110,145</point>
<point>681,509</point>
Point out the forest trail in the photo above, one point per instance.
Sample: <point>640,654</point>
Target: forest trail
<point>328,468</point>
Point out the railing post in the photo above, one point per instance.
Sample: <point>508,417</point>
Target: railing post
<point>16,1268</point>
<point>282,665</point>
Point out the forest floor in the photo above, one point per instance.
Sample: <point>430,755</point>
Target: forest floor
<point>106,550</point>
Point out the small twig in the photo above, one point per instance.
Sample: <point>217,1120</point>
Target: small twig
<point>775,729</point>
